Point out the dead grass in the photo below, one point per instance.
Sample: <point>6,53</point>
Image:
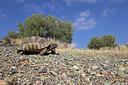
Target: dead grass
<point>118,48</point>
<point>17,41</point>
<point>94,53</point>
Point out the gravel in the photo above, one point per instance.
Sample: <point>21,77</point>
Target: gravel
<point>61,69</point>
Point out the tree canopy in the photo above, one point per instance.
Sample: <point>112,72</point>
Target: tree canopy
<point>104,41</point>
<point>40,25</point>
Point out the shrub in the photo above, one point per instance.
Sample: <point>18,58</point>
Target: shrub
<point>104,41</point>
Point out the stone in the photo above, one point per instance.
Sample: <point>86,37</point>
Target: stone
<point>112,73</point>
<point>89,70</point>
<point>104,72</point>
<point>90,83</point>
<point>118,83</point>
<point>122,68</point>
<point>83,75</point>
<point>53,73</point>
<point>43,70</point>
<point>94,67</point>
<point>64,76</point>
<point>3,82</point>
<point>105,66</point>
<point>1,74</point>
<point>87,79</point>
<point>29,83</point>
<point>11,79</point>
<point>107,84</point>
<point>124,83</point>
<point>39,83</point>
<point>106,61</point>
<point>122,74</point>
<point>13,67</point>
<point>99,75</point>
<point>75,67</point>
<point>93,73</point>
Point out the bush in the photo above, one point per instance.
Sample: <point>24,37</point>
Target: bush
<point>104,41</point>
<point>11,35</point>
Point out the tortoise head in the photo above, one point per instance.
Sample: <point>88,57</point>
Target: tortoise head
<point>52,46</point>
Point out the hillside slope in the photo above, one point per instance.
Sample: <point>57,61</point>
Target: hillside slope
<point>67,67</point>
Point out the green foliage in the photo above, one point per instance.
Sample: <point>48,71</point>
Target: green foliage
<point>104,41</point>
<point>32,26</point>
<point>49,27</point>
<point>11,34</point>
<point>64,31</point>
<point>95,43</point>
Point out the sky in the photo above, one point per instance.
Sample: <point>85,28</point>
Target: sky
<point>90,18</point>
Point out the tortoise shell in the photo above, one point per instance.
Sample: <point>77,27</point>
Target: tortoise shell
<point>34,44</point>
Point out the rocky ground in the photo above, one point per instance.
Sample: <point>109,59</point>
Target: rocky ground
<point>67,67</point>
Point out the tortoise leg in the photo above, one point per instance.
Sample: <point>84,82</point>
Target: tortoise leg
<point>53,51</point>
<point>43,51</point>
<point>20,52</point>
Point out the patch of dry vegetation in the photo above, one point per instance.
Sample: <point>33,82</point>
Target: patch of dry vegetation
<point>120,52</point>
<point>16,41</point>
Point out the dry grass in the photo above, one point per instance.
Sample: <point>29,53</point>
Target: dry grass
<point>62,45</point>
<point>17,41</point>
<point>72,46</point>
<point>119,48</point>
<point>95,53</point>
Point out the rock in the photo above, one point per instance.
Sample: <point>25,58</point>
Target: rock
<point>90,83</point>
<point>29,83</point>
<point>122,74</point>
<point>53,73</point>
<point>112,73</point>
<point>99,75</point>
<point>107,84</point>
<point>93,73</point>
<point>64,77</point>
<point>89,70</point>
<point>43,70</point>
<point>11,79</point>
<point>94,67</point>
<point>8,81</point>
<point>60,63</point>
<point>106,61</point>
<point>3,82</point>
<point>46,64</point>
<point>75,67</point>
<point>1,74</point>
<point>13,67</point>
<point>38,83</point>
<point>83,75</point>
<point>122,68</point>
<point>110,76</point>
<point>87,79</point>
<point>104,72</point>
<point>118,83</point>
<point>105,66</point>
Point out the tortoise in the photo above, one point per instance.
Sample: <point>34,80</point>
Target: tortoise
<point>37,44</point>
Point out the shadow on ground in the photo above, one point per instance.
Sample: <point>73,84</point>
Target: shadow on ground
<point>36,53</point>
